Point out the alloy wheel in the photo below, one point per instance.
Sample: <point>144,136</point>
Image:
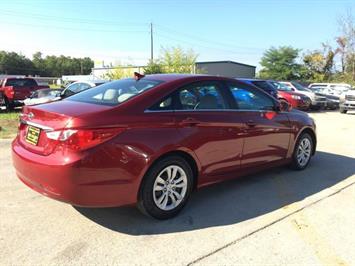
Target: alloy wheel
<point>304,152</point>
<point>170,187</point>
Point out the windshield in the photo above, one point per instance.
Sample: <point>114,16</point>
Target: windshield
<point>299,86</point>
<point>116,92</point>
<point>281,87</point>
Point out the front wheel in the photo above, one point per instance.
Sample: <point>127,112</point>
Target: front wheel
<point>166,188</point>
<point>302,152</point>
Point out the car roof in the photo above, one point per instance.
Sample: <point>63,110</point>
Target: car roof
<point>173,77</point>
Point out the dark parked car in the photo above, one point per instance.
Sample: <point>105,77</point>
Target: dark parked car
<point>332,100</point>
<point>265,85</point>
<point>152,140</point>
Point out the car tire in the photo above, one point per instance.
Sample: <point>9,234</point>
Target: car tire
<point>302,152</point>
<point>343,111</point>
<point>8,105</point>
<point>166,188</point>
<point>315,108</point>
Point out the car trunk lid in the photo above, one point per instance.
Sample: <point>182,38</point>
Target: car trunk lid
<point>38,123</point>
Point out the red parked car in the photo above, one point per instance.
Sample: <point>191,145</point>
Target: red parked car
<point>295,99</point>
<point>14,91</point>
<point>152,140</point>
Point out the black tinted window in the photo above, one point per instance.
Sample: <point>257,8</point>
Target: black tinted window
<point>21,83</point>
<point>116,92</point>
<point>263,85</point>
<point>204,95</point>
<point>30,83</point>
<point>248,98</point>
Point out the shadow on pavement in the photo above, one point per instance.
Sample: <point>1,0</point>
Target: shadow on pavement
<point>233,201</point>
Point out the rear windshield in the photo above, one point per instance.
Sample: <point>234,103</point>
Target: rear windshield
<point>20,82</point>
<point>263,85</point>
<point>299,86</point>
<point>115,92</point>
<point>281,87</point>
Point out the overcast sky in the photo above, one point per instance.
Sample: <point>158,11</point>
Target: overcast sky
<point>118,31</point>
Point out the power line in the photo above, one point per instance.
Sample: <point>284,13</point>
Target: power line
<point>169,30</point>
<point>68,19</point>
<point>71,28</point>
<point>204,46</point>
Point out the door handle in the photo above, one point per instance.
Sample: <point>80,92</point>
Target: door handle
<point>251,123</point>
<point>189,122</point>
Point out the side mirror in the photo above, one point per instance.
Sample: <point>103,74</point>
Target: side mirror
<point>284,106</point>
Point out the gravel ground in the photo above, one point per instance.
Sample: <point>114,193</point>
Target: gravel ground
<point>275,217</point>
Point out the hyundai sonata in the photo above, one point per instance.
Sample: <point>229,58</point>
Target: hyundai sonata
<point>151,140</point>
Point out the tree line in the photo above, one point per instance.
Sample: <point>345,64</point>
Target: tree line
<point>287,63</point>
<point>12,63</point>
<point>170,60</point>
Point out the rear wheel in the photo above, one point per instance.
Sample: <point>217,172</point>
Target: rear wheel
<point>302,152</point>
<point>342,111</point>
<point>8,105</point>
<point>166,188</point>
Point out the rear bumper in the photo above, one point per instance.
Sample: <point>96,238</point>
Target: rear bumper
<point>75,182</point>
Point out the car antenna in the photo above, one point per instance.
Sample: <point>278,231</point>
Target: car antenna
<point>138,76</point>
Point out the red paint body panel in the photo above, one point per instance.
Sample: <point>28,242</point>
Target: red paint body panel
<point>295,103</point>
<point>15,94</point>
<point>223,144</point>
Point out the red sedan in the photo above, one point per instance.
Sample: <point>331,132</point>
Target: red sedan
<point>152,140</point>
<point>295,99</point>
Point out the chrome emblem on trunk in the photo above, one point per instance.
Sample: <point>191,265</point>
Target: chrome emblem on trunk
<point>30,115</point>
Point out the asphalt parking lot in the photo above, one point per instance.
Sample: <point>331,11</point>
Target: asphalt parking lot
<point>275,217</point>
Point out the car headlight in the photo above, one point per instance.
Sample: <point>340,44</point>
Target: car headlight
<point>296,97</point>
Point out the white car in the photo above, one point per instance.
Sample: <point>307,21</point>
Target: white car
<point>317,101</point>
<point>347,102</point>
<point>331,88</point>
<point>79,86</point>
<point>43,96</point>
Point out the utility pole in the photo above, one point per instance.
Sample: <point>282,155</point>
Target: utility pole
<point>151,42</point>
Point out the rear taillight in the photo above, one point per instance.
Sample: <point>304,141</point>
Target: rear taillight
<point>81,139</point>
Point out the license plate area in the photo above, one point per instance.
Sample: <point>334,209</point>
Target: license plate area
<point>32,135</point>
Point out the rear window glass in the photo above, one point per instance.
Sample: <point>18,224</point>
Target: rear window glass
<point>263,85</point>
<point>20,82</point>
<point>114,93</point>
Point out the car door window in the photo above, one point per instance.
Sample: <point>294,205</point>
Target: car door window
<point>201,96</point>
<point>165,105</point>
<point>248,98</point>
<point>197,96</point>
<point>72,89</point>
<point>83,86</point>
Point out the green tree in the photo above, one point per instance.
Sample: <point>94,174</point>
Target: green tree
<point>319,64</point>
<point>176,60</point>
<point>154,67</point>
<point>120,72</point>
<point>280,63</point>
<point>17,64</point>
